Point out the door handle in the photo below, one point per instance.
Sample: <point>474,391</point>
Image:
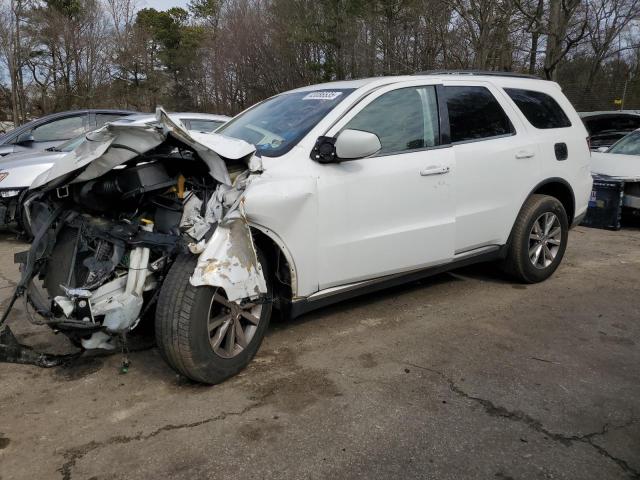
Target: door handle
<point>434,170</point>
<point>525,154</point>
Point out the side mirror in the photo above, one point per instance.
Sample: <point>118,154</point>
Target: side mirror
<point>25,139</point>
<point>602,149</point>
<point>353,144</point>
<point>348,145</point>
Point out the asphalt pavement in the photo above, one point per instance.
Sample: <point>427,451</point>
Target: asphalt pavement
<point>464,375</point>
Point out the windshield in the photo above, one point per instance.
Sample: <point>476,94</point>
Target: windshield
<point>277,124</point>
<point>629,145</point>
<point>69,145</point>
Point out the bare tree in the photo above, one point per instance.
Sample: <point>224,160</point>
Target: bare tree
<point>223,55</point>
<point>11,45</point>
<point>487,26</point>
<point>607,21</point>
<point>566,28</point>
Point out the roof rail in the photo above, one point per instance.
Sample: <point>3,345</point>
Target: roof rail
<point>478,72</point>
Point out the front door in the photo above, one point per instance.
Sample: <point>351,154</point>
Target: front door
<point>391,212</point>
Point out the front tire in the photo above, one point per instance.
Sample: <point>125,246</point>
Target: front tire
<point>538,240</point>
<point>200,334</point>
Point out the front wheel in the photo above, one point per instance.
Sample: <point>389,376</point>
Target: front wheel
<point>201,334</point>
<point>538,240</point>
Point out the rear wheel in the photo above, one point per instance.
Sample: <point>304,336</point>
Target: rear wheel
<point>539,239</point>
<point>200,333</point>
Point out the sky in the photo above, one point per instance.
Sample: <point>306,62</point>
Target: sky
<point>157,4</point>
<point>163,4</point>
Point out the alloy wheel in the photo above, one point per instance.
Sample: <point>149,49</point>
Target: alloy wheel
<point>545,239</point>
<point>231,326</point>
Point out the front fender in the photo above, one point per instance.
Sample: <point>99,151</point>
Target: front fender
<point>229,261</point>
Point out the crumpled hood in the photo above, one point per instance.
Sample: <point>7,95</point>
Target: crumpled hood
<point>118,142</point>
<point>615,165</point>
<point>24,167</point>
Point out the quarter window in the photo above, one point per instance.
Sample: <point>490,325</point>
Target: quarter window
<point>475,114</point>
<point>403,119</point>
<point>541,110</point>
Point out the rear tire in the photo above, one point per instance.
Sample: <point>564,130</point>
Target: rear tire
<point>183,327</point>
<point>538,239</point>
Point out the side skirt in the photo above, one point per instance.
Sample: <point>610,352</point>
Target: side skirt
<point>305,305</point>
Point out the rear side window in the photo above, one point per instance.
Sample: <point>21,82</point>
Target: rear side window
<point>475,114</point>
<point>541,109</point>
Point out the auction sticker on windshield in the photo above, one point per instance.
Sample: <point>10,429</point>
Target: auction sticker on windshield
<point>322,95</point>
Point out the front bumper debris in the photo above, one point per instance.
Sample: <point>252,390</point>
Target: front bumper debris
<point>12,351</point>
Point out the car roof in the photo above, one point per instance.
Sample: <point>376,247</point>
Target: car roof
<point>151,117</point>
<point>201,116</point>
<point>504,79</point>
<point>609,113</point>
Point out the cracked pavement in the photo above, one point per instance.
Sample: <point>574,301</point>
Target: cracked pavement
<point>464,375</point>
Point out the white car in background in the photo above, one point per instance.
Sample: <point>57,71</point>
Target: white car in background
<point>621,162</point>
<point>18,170</point>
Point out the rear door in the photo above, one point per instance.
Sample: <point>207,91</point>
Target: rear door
<point>558,130</point>
<point>495,161</point>
<point>391,212</point>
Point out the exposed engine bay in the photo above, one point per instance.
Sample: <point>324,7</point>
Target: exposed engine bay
<point>109,221</point>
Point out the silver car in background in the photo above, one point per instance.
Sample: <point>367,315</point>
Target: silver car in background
<point>51,130</point>
<point>18,170</point>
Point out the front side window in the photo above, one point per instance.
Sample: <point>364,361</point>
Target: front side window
<point>62,129</point>
<point>277,124</point>
<point>403,119</point>
<point>475,114</point>
<point>540,109</point>
<point>629,145</point>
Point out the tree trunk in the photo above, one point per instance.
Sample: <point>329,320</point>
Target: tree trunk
<point>535,38</point>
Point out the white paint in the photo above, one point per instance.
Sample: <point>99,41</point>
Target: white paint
<point>363,219</point>
<point>616,165</point>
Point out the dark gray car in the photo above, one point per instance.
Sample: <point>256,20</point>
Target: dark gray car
<point>52,130</point>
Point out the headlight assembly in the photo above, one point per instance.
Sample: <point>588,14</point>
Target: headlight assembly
<point>9,193</point>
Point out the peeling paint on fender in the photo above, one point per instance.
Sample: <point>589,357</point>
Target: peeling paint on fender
<point>230,261</point>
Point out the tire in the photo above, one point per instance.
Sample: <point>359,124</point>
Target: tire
<point>527,237</point>
<point>182,326</point>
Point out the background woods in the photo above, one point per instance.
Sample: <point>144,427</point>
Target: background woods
<point>223,55</point>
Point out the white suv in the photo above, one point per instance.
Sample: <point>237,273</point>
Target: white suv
<point>371,183</point>
<point>385,177</point>
<point>353,186</point>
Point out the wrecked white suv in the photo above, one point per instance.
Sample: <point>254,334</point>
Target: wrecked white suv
<point>310,197</point>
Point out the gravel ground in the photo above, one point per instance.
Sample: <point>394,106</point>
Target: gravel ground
<point>465,375</point>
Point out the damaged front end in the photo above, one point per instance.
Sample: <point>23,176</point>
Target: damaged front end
<point>109,220</point>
